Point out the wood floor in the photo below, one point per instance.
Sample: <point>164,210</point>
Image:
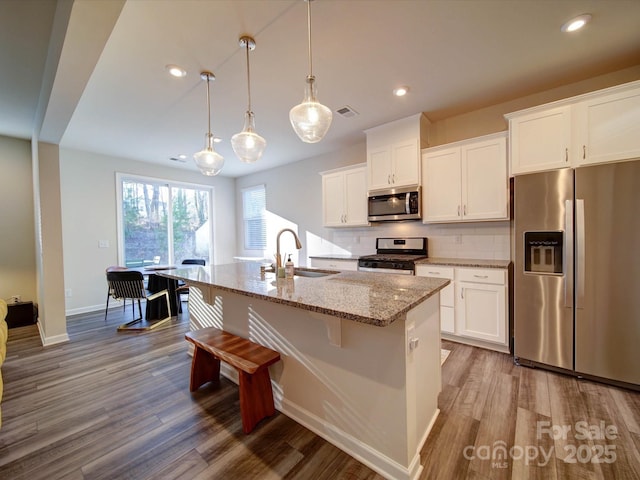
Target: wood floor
<point>117,406</point>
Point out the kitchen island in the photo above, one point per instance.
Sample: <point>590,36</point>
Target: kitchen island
<point>360,351</point>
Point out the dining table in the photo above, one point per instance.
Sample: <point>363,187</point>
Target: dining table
<point>156,283</point>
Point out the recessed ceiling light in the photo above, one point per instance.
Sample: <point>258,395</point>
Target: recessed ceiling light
<point>401,91</point>
<point>176,71</point>
<point>576,23</point>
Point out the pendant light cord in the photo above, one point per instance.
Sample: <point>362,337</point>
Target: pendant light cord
<point>208,108</point>
<point>309,35</point>
<point>248,78</point>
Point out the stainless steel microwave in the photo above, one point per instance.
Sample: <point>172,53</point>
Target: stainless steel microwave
<point>395,204</point>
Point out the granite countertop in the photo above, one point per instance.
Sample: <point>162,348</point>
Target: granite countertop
<point>465,262</point>
<point>373,298</point>
<point>337,256</point>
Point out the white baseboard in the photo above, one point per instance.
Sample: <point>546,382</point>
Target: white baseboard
<point>93,308</point>
<point>375,460</point>
<point>47,341</point>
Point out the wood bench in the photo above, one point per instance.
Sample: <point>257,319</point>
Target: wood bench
<point>250,359</point>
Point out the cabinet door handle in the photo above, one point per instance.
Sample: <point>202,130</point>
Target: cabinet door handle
<point>465,209</point>
<point>462,293</point>
<point>481,276</point>
<point>458,210</point>
<point>566,154</point>
<point>389,179</point>
<point>434,273</point>
<point>584,152</point>
<point>393,178</point>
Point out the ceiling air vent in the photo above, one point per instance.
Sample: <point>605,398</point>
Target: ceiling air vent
<point>179,159</point>
<point>347,111</point>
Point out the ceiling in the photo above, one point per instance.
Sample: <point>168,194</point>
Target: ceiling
<point>90,74</point>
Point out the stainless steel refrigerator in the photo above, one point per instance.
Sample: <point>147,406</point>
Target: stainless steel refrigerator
<point>577,271</point>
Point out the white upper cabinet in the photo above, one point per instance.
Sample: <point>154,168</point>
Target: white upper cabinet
<point>344,197</point>
<point>607,128</point>
<point>393,152</point>
<point>466,181</point>
<point>599,127</point>
<point>441,184</point>
<point>540,140</point>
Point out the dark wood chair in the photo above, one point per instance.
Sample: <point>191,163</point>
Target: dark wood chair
<point>125,284</point>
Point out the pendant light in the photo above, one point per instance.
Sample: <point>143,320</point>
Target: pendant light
<point>310,119</point>
<point>248,145</point>
<point>208,160</point>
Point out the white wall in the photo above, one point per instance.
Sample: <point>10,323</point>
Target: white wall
<point>294,200</point>
<point>89,207</point>
<point>17,240</point>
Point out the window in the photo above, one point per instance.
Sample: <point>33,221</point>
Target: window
<point>163,223</point>
<point>254,218</point>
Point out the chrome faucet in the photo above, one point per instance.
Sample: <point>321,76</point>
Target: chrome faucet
<point>298,245</point>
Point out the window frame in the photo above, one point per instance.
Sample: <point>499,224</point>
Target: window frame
<point>122,176</point>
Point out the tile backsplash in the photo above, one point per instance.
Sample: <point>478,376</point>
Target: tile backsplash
<point>483,240</point>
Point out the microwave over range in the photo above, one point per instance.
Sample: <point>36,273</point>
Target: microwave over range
<point>395,204</point>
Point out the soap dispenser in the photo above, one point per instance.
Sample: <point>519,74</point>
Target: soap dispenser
<point>288,268</point>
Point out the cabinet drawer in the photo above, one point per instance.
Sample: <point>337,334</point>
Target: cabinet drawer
<point>351,265</point>
<point>494,276</point>
<point>434,271</point>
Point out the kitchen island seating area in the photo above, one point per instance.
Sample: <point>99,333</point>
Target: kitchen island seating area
<point>251,361</point>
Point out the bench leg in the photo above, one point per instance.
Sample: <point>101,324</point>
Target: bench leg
<point>204,368</point>
<point>256,398</point>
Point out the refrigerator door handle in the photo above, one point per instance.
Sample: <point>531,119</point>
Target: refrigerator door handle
<point>568,248</point>
<point>580,253</point>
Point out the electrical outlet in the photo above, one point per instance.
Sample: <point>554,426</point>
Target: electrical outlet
<point>68,292</point>
<point>103,243</point>
<point>16,298</point>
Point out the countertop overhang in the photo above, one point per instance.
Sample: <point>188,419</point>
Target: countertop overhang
<point>374,298</point>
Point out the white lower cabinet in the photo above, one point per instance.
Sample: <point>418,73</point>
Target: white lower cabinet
<point>334,264</point>
<point>447,294</point>
<point>473,308</point>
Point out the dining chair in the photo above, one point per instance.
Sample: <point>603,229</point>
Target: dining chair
<point>125,284</point>
<point>113,268</point>
<point>183,289</point>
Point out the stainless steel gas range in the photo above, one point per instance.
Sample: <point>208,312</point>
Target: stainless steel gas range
<point>395,255</point>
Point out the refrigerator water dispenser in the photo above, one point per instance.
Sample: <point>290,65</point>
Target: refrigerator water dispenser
<point>543,252</point>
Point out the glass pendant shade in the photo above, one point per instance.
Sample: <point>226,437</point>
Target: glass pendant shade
<point>248,145</point>
<point>208,161</point>
<point>310,119</point>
